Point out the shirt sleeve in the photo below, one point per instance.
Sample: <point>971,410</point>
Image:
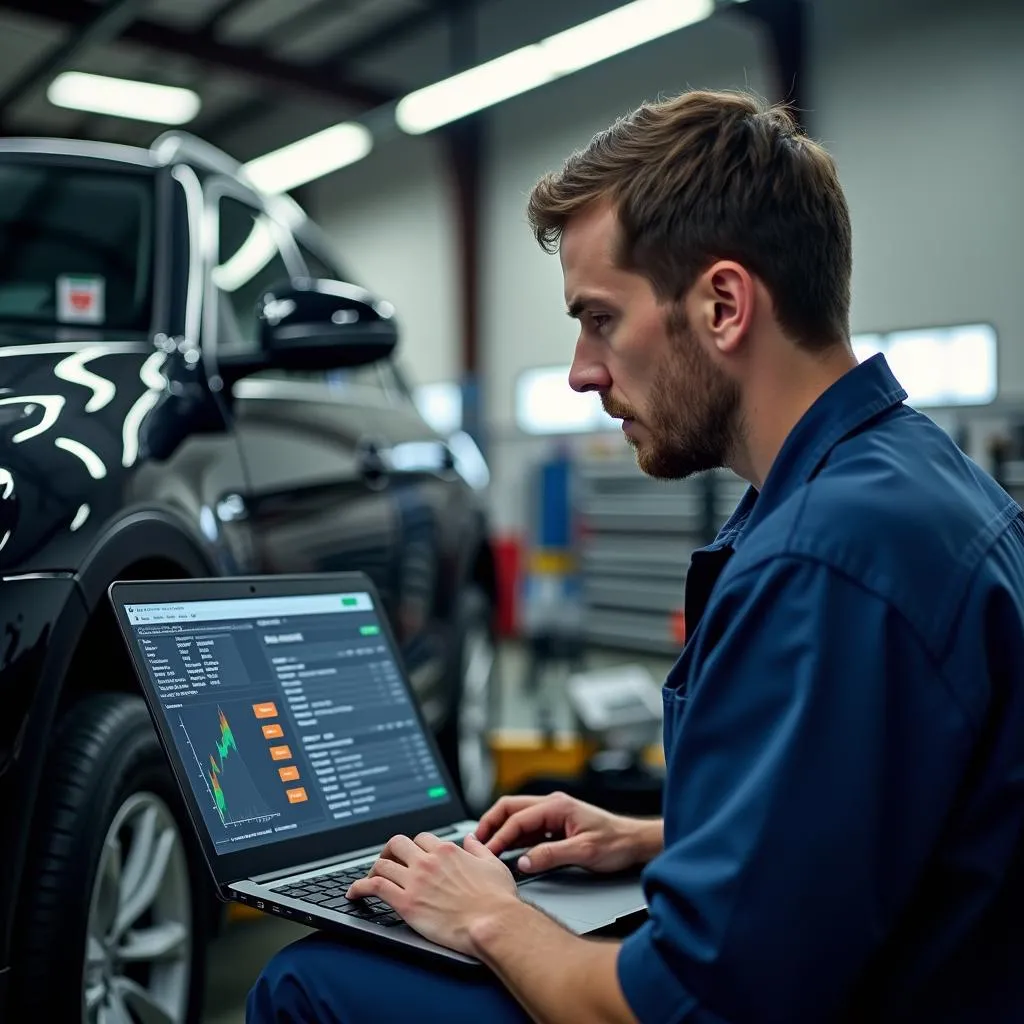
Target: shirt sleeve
<point>807,782</point>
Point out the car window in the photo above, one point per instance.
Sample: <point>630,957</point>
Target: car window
<point>248,263</point>
<point>76,246</point>
<point>316,266</point>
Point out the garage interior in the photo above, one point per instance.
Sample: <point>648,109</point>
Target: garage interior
<point>421,198</point>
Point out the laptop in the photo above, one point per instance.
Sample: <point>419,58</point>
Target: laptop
<point>293,733</point>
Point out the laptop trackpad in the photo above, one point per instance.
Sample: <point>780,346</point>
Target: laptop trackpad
<point>582,900</point>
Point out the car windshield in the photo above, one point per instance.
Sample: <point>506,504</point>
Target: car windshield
<point>76,246</point>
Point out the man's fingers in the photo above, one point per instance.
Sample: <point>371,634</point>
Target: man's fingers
<point>490,822</point>
<point>427,841</point>
<point>379,886</point>
<point>401,849</point>
<point>473,845</point>
<point>389,869</point>
<point>530,822</point>
<point>546,856</point>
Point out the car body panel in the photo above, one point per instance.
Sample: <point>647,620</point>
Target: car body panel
<point>41,620</point>
<point>122,454</point>
<point>78,427</point>
<point>336,485</point>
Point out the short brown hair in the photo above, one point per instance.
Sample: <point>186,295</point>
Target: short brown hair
<point>716,175</point>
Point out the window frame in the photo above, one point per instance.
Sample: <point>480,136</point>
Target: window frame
<point>215,189</point>
<point>391,384</point>
<point>306,241</point>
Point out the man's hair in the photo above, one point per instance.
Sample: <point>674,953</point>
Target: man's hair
<point>716,175</point>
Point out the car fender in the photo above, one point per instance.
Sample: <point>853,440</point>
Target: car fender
<point>42,631</point>
<point>143,535</point>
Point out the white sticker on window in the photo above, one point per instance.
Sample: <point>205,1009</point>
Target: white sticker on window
<point>80,299</point>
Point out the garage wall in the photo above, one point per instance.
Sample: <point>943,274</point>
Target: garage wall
<point>390,217</point>
<point>917,99</point>
<point>923,116</point>
<point>919,102</point>
<point>523,309</point>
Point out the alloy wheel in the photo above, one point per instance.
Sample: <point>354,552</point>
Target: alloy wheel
<point>139,939</point>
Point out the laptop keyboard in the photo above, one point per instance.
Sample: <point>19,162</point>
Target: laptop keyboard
<point>329,891</point>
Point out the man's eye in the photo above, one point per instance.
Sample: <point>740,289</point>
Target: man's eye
<point>600,319</point>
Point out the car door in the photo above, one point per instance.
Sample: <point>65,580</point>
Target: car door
<point>313,499</point>
<point>425,497</point>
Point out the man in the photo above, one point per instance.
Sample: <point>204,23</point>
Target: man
<point>844,730</point>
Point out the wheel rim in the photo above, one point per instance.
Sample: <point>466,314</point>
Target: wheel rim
<point>476,762</point>
<point>139,939</point>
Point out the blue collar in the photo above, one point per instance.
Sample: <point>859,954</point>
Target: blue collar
<point>866,391</point>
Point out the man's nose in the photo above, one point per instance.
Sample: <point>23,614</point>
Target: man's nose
<point>588,374</point>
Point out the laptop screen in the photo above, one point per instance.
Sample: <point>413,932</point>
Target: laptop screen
<point>289,713</point>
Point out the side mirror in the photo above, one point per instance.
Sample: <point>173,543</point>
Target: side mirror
<point>324,325</point>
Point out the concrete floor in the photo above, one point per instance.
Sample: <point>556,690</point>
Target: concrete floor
<point>235,960</point>
<point>238,954</point>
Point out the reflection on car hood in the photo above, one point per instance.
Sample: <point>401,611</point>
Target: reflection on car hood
<point>70,419</point>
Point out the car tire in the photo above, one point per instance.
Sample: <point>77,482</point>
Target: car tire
<point>464,738</point>
<point>114,904</point>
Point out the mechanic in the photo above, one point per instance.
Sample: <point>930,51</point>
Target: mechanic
<point>844,729</point>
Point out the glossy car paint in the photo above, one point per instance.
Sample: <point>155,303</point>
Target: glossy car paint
<point>126,457</point>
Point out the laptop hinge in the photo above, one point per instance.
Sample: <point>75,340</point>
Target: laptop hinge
<point>299,869</point>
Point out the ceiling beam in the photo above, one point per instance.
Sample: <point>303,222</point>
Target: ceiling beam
<point>383,35</point>
<point>306,18</point>
<point>205,49</point>
<point>785,25</point>
<point>103,24</point>
<point>247,112</point>
<point>221,14</point>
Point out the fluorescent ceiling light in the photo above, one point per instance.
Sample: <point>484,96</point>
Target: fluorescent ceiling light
<point>620,30</point>
<point>310,158</point>
<point>144,101</point>
<point>530,66</point>
<point>472,90</point>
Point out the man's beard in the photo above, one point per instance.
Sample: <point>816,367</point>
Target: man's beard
<point>694,414</point>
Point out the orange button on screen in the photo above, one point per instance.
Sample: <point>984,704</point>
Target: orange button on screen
<point>272,732</point>
<point>268,709</point>
<point>297,796</point>
<point>282,753</point>
<point>289,774</point>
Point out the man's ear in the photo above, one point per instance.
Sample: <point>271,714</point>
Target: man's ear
<point>724,297</point>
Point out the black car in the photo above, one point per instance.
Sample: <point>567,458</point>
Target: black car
<point>190,386</point>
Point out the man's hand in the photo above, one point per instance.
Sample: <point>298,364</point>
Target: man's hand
<point>586,835</point>
<point>438,888</point>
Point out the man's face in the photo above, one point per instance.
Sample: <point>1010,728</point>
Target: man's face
<point>679,410</point>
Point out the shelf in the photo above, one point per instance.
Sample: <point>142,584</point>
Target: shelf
<point>628,632</point>
<point>633,595</point>
<point>637,536</point>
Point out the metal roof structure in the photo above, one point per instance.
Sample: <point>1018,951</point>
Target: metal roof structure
<point>267,71</point>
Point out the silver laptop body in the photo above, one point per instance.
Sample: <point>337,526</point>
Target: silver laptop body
<point>299,749</point>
